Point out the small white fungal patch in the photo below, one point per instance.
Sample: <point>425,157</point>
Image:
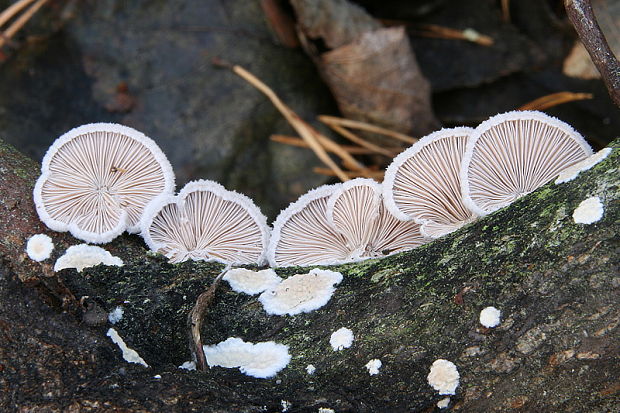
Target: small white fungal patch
<point>188,365</point>
<point>84,255</point>
<point>326,410</point>
<point>443,403</point>
<point>251,282</point>
<point>301,293</point>
<point>286,405</point>
<point>443,377</point>
<point>588,211</point>
<point>341,339</point>
<point>573,171</point>
<point>490,317</point>
<point>129,354</point>
<point>310,369</point>
<point>261,360</point>
<point>116,315</point>
<point>39,247</point>
<point>373,366</point>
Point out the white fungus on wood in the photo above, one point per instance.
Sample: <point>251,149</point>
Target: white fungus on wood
<point>443,377</point>
<point>206,222</point>
<point>260,360</point>
<point>490,317</point>
<point>83,255</point>
<point>373,366</point>
<point>39,247</point>
<point>339,223</point>
<point>116,315</point>
<point>129,354</point>
<point>301,293</point>
<point>588,211</point>
<point>423,183</point>
<point>512,154</point>
<point>573,171</point>
<point>443,403</point>
<point>251,282</point>
<point>97,179</point>
<point>341,339</point>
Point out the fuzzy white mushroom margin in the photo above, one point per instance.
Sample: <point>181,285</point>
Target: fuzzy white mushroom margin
<point>129,354</point>
<point>39,247</point>
<point>83,255</point>
<point>341,339</point>
<point>573,171</point>
<point>301,293</point>
<point>588,211</point>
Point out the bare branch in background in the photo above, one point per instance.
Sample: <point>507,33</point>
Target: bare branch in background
<point>581,15</point>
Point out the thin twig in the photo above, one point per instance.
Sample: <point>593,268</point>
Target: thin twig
<point>506,11</point>
<point>581,15</point>
<point>441,32</point>
<point>361,142</point>
<point>554,99</point>
<point>195,319</point>
<point>308,133</point>
<point>376,175</point>
<point>20,22</point>
<point>355,124</point>
<point>351,149</point>
<point>12,10</point>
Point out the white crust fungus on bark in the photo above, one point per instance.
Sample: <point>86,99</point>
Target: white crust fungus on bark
<point>83,255</point>
<point>588,211</point>
<point>260,360</point>
<point>443,376</point>
<point>301,293</point>
<point>39,247</point>
<point>341,339</point>
<point>251,282</point>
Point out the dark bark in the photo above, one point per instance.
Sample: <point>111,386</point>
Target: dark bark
<point>555,281</point>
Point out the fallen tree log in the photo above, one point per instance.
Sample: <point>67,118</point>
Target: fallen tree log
<point>555,281</point>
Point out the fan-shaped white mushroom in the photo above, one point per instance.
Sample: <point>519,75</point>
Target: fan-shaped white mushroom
<point>302,236</point>
<point>514,153</point>
<point>97,179</point>
<point>337,224</point>
<point>423,183</point>
<point>206,222</point>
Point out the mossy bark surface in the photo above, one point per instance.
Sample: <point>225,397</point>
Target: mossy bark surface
<point>555,281</point>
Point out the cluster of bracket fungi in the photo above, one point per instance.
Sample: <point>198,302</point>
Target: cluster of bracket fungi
<point>102,179</point>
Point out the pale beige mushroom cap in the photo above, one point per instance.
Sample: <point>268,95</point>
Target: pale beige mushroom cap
<point>340,223</point>
<point>97,179</point>
<point>513,154</point>
<point>206,222</point>
<point>423,183</point>
<point>356,210</point>
<point>303,236</point>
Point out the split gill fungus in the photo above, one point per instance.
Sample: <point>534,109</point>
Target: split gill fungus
<point>101,179</point>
